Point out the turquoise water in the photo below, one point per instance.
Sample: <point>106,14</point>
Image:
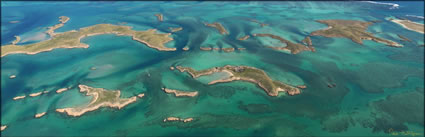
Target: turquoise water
<point>374,82</point>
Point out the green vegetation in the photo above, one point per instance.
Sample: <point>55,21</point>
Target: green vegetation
<point>71,39</point>
<point>354,30</point>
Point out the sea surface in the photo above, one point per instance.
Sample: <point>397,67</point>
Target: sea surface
<point>379,89</point>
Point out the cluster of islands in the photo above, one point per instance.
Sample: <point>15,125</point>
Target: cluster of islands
<point>350,29</point>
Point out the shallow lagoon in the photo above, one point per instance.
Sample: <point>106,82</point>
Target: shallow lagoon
<point>367,76</point>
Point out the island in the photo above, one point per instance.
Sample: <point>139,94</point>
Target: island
<point>45,92</point>
<point>244,37</point>
<point>3,127</point>
<point>410,25</point>
<point>19,97</point>
<point>12,76</point>
<point>36,94</point>
<point>39,115</point>
<point>100,98</point>
<point>403,38</point>
<point>159,17</point>
<point>179,93</point>
<point>185,48</point>
<point>245,73</point>
<point>175,29</point>
<point>61,90</point>
<point>17,40</point>
<point>178,119</point>
<point>294,48</point>
<point>141,95</point>
<point>219,27</point>
<point>62,20</point>
<point>351,29</point>
<point>71,39</point>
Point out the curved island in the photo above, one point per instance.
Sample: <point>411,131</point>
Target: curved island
<point>245,73</point>
<point>100,98</point>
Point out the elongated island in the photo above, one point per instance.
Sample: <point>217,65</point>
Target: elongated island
<point>245,73</point>
<point>179,93</point>
<point>71,39</point>
<point>219,27</point>
<point>100,98</point>
<point>294,48</point>
<point>351,29</point>
<point>410,25</point>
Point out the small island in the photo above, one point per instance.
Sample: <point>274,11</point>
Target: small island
<point>19,97</point>
<point>3,127</point>
<point>62,20</point>
<point>179,93</point>
<point>178,119</point>
<point>351,29</point>
<point>13,22</point>
<point>39,115</point>
<point>294,48</point>
<point>159,17</point>
<point>219,27</point>
<point>175,29</point>
<point>245,73</point>
<point>244,37</point>
<point>100,98</point>
<point>72,39</point>
<point>35,94</point>
<point>205,48</point>
<point>61,90</point>
<point>410,25</point>
<point>12,76</point>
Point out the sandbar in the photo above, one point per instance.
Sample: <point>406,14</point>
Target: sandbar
<point>15,21</point>
<point>72,39</point>
<point>3,127</point>
<point>159,17</point>
<point>141,95</point>
<point>351,29</point>
<point>16,40</point>
<point>19,97</point>
<point>178,119</point>
<point>244,37</point>
<point>36,94</point>
<point>410,25</point>
<point>219,27</point>
<point>248,74</point>
<point>61,90</point>
<point>175,29</point>
<point>38,115</point>
<point>294,48</point>
<point>12,76</point>
<point>179,93</point>
<point>100,98</point>
<point>205,48</point>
